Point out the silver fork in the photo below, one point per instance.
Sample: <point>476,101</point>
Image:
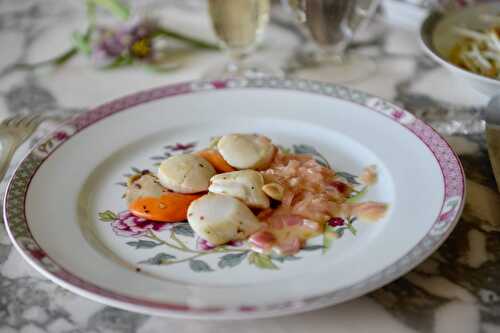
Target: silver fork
<point>13,132</point>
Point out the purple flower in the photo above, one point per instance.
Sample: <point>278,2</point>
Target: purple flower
<point>336,222</point>
<point>128,225</point>
<point>398,114</point>
<point>123,41</point>
<point>181,147</point>
<point>204,245</point>
<point>60,136</point>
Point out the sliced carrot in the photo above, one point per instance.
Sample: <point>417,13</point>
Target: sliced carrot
<point>216,159</point>
<point>169,207</point>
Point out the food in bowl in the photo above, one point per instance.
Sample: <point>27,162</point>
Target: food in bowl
<point>478,51</point>
<point>243,187</point>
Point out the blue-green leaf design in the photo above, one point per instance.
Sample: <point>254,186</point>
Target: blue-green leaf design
<point>231,259</point>
<point>159,259</point>
<point>350,227</point>
<point>198,266</point>
<point>183,229</point>
<point>357,195</point>
<point>313,247</point>
<point>328,237</point>
<point>136,170</point>
<point>348,176</point>
<point>143,244</point>
<point>306,149</point>
<point>261,261</point>
<point>107,216</point>
<point>282,259</point>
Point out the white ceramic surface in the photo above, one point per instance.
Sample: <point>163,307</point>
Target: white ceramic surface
<point>438,38</point>
<point>58,191</point>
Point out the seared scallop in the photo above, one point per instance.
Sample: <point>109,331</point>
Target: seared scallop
<point>245,185</point>
<point>146,185</point>
<point>185,173</point>
<point>246,151</point>
<point>221,218</point>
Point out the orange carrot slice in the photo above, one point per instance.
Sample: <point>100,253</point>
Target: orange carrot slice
<point>169,207</point>
<point>216,159</point>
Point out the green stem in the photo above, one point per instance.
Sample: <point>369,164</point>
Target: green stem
<point>187,259</point>
<point>182,247</point>
<point>58,60</point>
<point>190,40</point>
<point>178,241</point>
<point>151,235</point>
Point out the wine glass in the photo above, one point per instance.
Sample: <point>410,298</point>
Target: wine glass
<point>331,25</point>
<point>239,26</point>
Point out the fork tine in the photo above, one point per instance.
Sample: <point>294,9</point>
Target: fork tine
<point>10,121</point>
<point>32,120</point>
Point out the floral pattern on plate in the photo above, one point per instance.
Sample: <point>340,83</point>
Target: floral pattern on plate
<point>177,243</point>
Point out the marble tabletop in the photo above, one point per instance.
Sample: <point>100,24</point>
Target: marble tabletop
<point>456,290</point>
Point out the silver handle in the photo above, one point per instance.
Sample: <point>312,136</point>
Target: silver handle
<point>9,146</point>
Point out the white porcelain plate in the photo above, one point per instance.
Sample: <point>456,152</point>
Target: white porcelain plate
<point>64,211</point>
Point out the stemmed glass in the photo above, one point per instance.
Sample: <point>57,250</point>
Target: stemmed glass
<point>239,26</point>
<point>331,25</point>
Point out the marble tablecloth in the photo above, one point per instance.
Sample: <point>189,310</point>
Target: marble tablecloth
<point>456,290</point>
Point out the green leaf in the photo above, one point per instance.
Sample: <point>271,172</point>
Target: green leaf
<point>283,258</point>
<point>107,216</point>
<point>143,244</point>
<point>199,266</point>
<point>348,176</point>
<point>231,259</point>
<point>328,238</point>
<point>159,259</point>
<point>312,248</point>
<point>183,229</point>
<point>306,149</point>
<point>81,42</point>
<point>261,261</point>
<point>350,226</point>
<point>135,170</point>
<point>285,150</point>
<point>357,195</point>
<point>115,7</point>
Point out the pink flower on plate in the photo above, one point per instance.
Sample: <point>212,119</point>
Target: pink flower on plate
<point>204,245</point>
<point>60,136</point>
<point>398,114</point>
<point>128,225</point>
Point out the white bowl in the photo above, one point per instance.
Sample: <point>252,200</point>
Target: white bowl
<point>438,38</point>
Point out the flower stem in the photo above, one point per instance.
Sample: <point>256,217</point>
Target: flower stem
<point>151,235</point>
<point>187,259</point>
<point>58,60</point>
<point>178,241</point>
<point>187,39</point>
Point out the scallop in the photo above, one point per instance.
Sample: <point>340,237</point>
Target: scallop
<point>245,185</point>
<point>147,185</point>
<point>221,218</point>
<point>246,151</point>
<point>186,173</point>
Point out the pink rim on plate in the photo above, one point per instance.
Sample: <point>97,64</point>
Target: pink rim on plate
<point>19,231</point>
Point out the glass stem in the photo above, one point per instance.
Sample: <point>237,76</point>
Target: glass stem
<point>335,54</point>
<point>237,60</point>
